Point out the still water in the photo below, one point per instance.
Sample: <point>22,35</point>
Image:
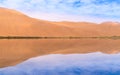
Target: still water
<point>84,57</point>
<point>70,64</point>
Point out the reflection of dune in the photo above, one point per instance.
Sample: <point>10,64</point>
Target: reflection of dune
<point>16,51</point>
<point>71,64</point>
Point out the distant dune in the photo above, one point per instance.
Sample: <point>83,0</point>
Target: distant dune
<point>14,23</point>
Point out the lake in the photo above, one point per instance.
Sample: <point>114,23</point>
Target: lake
<point>14,52</point>
<point>70,64</point>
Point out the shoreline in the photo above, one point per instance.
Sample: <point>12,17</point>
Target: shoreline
<point>47,37</point>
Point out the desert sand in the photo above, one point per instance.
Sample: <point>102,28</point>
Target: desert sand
<point>14,23</point>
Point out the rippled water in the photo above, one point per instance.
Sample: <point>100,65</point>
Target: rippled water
<point>70,64</point>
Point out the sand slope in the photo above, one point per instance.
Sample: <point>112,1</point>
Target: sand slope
<point>15,23</point>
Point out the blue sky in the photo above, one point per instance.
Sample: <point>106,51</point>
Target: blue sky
<point>69,10</point>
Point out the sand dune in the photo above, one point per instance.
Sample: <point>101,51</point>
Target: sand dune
<point>14,23</point>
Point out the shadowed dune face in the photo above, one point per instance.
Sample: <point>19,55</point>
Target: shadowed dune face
<point>16,51</point>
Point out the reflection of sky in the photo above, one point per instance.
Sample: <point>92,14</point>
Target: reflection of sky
<point>76,10</point>
<point>71,64</point>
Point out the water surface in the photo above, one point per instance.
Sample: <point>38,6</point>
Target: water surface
<point>13,52</point>
<point>70,64</point>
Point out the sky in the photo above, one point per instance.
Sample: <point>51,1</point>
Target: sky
<point>67,10</point>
